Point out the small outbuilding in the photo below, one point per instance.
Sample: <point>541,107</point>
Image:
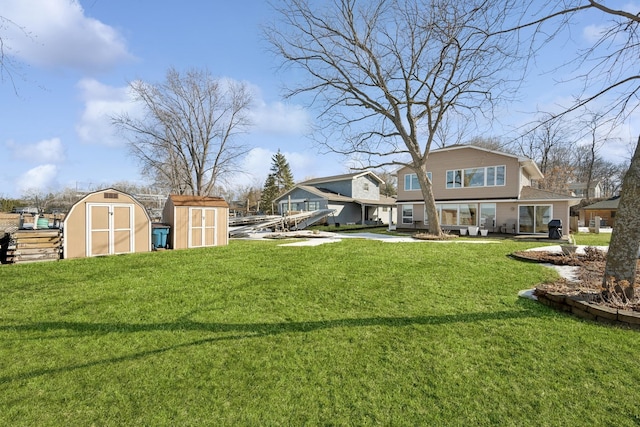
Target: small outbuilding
<point>196,221</point>
<point>106,222</point>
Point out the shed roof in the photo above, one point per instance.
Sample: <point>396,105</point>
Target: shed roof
<point>205,201</point>
<point>604,204</point>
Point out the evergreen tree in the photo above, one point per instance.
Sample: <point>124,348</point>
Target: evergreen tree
<point>281,172</point>
<point>279,181</point>
<point>269,193</point>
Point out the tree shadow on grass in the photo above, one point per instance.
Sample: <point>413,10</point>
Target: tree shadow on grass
<point>237,331</point>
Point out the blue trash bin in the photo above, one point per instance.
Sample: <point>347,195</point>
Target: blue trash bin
<point>159,235</point>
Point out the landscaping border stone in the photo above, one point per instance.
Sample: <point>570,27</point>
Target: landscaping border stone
<point>580,307</point>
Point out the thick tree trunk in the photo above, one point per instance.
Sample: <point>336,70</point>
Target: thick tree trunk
<point>625,240</point>
<point>429,202</point>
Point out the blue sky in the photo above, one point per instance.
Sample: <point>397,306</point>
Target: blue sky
<point>76,58</point>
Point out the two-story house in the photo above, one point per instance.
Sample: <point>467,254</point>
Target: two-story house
<point>355,198</point>
<point>474,186</point>
<point>580,190</point>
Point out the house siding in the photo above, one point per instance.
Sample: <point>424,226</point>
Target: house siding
<point>364,187</point>
<point>298,195</point>
<point>507,198</point>
<point>344,188</point>
<point>441,162</point>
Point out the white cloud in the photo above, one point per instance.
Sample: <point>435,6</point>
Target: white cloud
<point>101,102</point>
<point>593,33</point>
<point>45,151</point>
<point>58,34</point>
<point>304,165</point>
<point>41,177</point>
<point>280,118</point>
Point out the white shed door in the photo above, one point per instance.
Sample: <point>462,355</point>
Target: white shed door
<point>202,227</point>
<point>109,229</point>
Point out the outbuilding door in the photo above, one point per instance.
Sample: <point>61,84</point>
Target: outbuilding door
<point>109,229</point>
<point>202,227</point>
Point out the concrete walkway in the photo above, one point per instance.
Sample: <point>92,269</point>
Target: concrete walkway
<point>328,237</point>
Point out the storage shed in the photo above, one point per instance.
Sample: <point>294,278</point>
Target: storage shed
<point>196,221</point>
<point>106,222</point>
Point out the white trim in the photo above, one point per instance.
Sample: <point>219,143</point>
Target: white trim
<point>204,227</point>
<point>110,230</point>
<point>533,219</point>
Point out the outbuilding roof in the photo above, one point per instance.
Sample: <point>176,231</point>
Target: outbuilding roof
<point>204,201</point>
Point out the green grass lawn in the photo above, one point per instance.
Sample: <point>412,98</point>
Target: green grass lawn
<point>592,239</point>
<point>350,333</point>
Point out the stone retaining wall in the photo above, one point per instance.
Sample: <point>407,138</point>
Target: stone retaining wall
<point>580,307</point>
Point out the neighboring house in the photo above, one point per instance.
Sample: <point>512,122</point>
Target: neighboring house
<point>579,189</point>
<point>474,186</point>
<point>605,209</point>
<point>355,197</point>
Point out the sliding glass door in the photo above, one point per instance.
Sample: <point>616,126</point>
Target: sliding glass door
<point>534,218</point>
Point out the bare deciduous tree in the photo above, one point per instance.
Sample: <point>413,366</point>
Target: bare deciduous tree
<point>187,139</point>
<point>594,124</point>
<point>9,67</point>
<point>388,74</point>
<point>609,73</point>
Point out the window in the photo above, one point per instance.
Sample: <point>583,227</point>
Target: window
<point>454,179</point>
<point>467,214</point>
<point>495,176</point>
<point>476,177</point>
<point>407,214</point>
<point>411,181</point>
<point>366,186</point>
<point>449,214</point>
<point>488,215</point>
<point>534,218</point>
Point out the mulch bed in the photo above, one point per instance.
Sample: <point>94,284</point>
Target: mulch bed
<point>589,275</point>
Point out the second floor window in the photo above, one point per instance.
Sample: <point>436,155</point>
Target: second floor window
<point>411,181</point>
<point>490,176</point>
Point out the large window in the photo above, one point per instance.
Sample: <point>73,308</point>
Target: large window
<point>467,214</point>
<point>488,216</point>
<point>534,218</point>
<point>495,176</point>
<point>476,177</point>
<point>407,214</point>
<point>411,181</point>
<point>458,214</point>
<point>302,205</point>
<point>449,214</point>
